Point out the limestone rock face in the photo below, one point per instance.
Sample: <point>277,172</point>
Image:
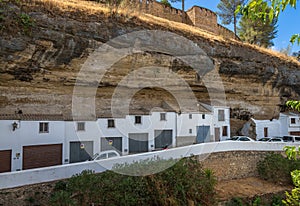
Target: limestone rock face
<point>39,66</point>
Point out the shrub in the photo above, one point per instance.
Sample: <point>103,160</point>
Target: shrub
<point>183,184</point>
<point>277,168</point>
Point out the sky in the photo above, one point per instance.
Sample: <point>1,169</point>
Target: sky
<point>288,23</point>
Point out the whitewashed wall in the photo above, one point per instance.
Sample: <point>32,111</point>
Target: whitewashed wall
<point>220,124</point>
<point>184,123</point>
<point>91,133</point>
<point>28,134</point>
<point>274,128</point>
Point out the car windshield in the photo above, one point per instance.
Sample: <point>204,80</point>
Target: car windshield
<point>112,154</point>
<point>276,140</point>
<point>102,156</point>
<point>234,138</point>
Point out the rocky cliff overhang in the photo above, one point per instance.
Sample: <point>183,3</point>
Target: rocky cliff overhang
<point>45,44</point>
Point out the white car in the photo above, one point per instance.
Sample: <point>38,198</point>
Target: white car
<point>241,138</point>
<point>105,155</point>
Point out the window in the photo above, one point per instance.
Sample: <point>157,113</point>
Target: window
<point>110,123</point>
<point>138,120</point>
<point>163,117</point>
<point>80,126</point>
<point>203,116</point>
<point>266,132</point>
<point>112,154</point>
<point>225,131</point>
<point>190,131</point>
<point>190,116</point>
<point>221,115</point>
<point>44,127</point>
<point>293,120</point>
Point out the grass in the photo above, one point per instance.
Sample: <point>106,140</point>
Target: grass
<point>84,10</point>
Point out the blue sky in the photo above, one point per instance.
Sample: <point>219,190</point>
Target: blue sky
<point>288,24</point>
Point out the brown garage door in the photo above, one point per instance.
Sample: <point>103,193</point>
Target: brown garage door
<point>295,133</point>
<point>42,156</point>
<point>5,161</point>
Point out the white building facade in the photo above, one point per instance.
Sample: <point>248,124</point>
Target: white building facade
<point>33,141</point>
<point>287,124</point>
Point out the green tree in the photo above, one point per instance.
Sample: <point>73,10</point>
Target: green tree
<point>227,12</point>
<point>165,2</point>
<point>257,31</point>
<point>266,10</point>
<point>293,198</point>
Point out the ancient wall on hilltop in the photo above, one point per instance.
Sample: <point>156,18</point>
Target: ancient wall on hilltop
<point>196,16</point>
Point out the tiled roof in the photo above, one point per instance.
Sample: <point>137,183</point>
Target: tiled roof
<point>32,117</point>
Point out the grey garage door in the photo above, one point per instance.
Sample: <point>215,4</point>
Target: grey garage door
<point>138,142</point>
<point>5,161</point>
<point>163,138</point>
<point>81,151</point>
<point>111,143</point>
<point>42,156</point>
<point>203,134</point>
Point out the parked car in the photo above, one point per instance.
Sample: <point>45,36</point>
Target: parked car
<point>291,138</point>
<point>275,139</point>
<point>105,155</point>
<point>241,138</point>
<point>264,139</point>
<point>270,139</point>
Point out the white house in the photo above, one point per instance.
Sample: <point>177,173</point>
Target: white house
<point>32,141</point>
<point>288,123</point>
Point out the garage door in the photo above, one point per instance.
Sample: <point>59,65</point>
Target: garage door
<point>81,151</point>
<point>295,133</point>
<point>42,156</point>
<point>5,161</point>
<point>203,134</point>
<point>111,143</point>
<point>138,142</point>
<point>163,138</point>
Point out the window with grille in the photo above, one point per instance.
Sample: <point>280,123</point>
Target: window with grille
<point>138,120</point>
<point>111,123</point>
<point>44,127</point>
<point>163,117</point>
<point>293,120</point>
<point>80,126</point>
<point>221,115</point>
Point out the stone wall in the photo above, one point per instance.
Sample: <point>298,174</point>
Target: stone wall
<point>195,16</point>
<point>234,165</point>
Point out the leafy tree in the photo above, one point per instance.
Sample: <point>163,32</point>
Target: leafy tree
<point>266,10</point>
<point>293,198</point>
<point>297,55</point>
<point>257,31</point>
<point>227,11</point>
<point>165,2</point>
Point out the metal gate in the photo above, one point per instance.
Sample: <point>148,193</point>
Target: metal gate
<point>203,134</point>
<point>163,138</point>
<point>111,143</point>
<point>37,156</point>
<point>81,151</point>
<point>5,161</point>
<point>138,142</point>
